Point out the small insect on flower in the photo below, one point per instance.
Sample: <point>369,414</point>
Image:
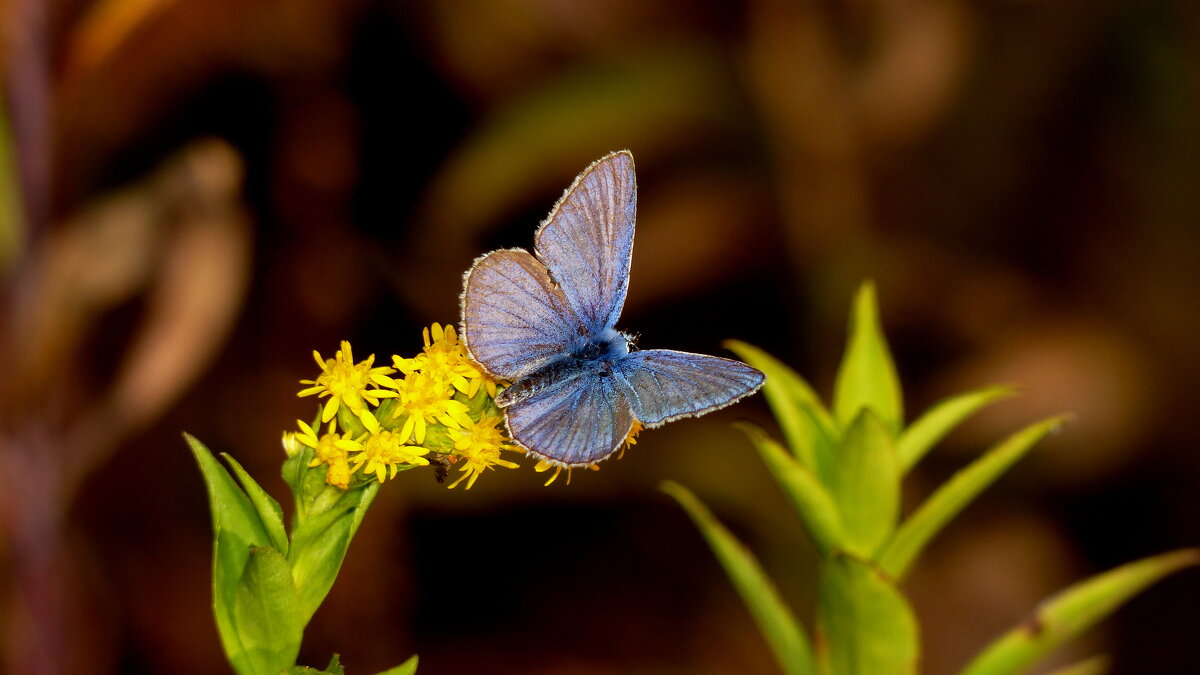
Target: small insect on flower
<point>441,467</point>
<point>348,383</point>
<point>546,321</point>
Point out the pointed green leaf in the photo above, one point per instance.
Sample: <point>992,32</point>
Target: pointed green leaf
<point>812,501</point>
<point>865,625</point>
<point>949,499</point>
<point>1097,665</point>
<point>809,430</point>
<point>236,528</point>
<point>334,668</point>
<point>867,376</point>
<point>409,667</point>
<point>319,545</point>
<point>939,420</point>
<point>866,485</point>
<point>267,508</point>
<point>231,508</point>
<point>775,620</point>
<point>267,613</point>
<point>1073,611</point>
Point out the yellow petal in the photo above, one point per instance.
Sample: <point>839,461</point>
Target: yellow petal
<point>331,408</point>
<point>369,421</point>
<point>407,430</point>
<point>420,428</point>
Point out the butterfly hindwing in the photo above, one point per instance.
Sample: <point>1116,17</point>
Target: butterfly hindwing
<point>587,241</point>
<point>663,385</point>
<point>515,320</point>
<point>576,422</point>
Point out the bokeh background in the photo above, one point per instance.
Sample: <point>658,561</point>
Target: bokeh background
<point>198,193</point>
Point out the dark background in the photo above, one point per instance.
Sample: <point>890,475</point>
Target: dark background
<point>213,188</point>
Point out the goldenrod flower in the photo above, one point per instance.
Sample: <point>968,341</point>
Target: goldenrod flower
<point>631,438</point>
<point>332,449</point>
<point>445,359</point>
<point>426,400</point>
<point>291,446</point>
<point>338,473</point>
<point>383,451</point>
<point>347,382</point>
<point>479,445</point>
<point>544,465</point>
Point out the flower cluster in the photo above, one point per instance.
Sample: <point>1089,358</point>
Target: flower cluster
<point>436,408</point>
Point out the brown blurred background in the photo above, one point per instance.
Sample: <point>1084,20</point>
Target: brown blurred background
<point>213,188</point>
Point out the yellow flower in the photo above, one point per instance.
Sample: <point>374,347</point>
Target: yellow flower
<point>479,445</point>
<point>445,359</point>
<point>631,438</point>
<point>545,465</point>
<point>347,382</point>
<point>427,400</point>
<point>332,449</point>
<point>291,446</point>
<point>338,473</point>
<point>383,451</point>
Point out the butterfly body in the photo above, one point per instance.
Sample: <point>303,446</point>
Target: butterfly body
<point>547,325</point>
<point>595,358</point>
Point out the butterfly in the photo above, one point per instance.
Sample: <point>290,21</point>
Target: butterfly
<point>546,323</point>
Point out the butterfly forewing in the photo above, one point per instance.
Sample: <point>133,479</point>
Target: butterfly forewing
<point>581,421</point>
<point>515,320</point>
<point>662,385</point>
<point>587,240</point>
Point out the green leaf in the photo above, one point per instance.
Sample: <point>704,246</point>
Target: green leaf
<point>319,545</point>
<point>1073,611</point>
<point>267,508</point>
<point>812,501</point>
<point>236,528</point>
<point>1097,665</point>
<point>866,485</point>
<point>949,499</point>
<point>865,626</point>
<point>775,620</point>
<point>809,430</point>
<point>409,667</point>
<point>867,376</point>
<point>266,612</point>
<point>939,420</point>
<point>335,666</point>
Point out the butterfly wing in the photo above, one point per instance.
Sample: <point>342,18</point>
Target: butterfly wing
<point>587,241</point>
<point>663,385</point>
<point>515,320</point>
<point>575,422</point>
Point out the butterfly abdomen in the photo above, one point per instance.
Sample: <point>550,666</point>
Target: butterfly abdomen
<point>594,358</point>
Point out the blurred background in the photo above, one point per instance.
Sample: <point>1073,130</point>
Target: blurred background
<point>210,189</point>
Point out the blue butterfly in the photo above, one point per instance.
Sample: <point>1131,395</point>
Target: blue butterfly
<point>546,324</point>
